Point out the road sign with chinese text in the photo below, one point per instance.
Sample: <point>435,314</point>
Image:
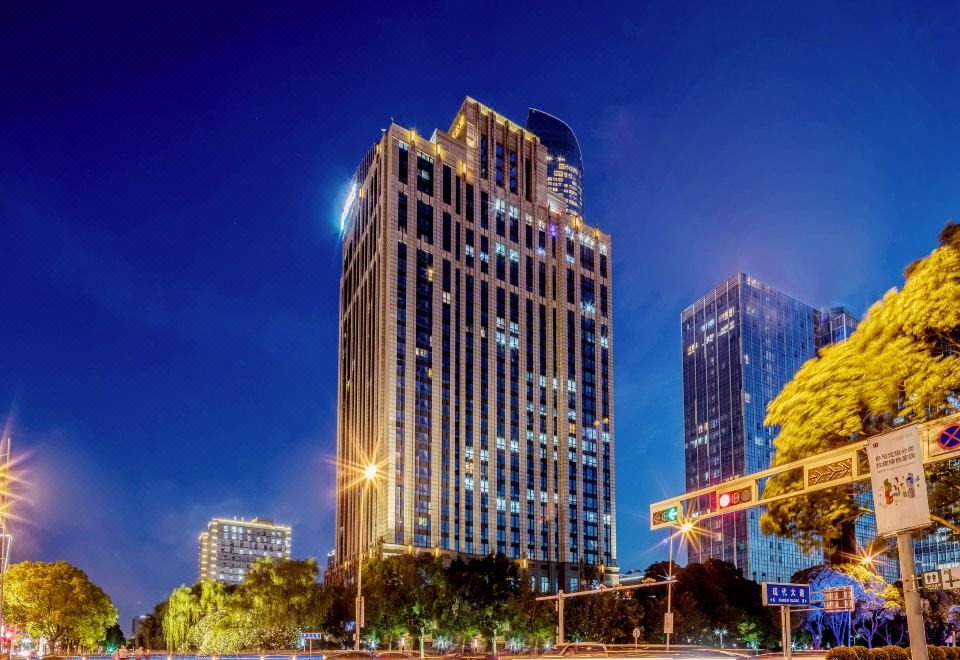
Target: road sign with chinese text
<point>779,593</point>
<point>311,635</point>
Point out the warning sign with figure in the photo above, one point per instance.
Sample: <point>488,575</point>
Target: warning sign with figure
<point>899,486</point>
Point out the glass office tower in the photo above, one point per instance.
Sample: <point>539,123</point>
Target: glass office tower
<point>742,342</point>
<point>564,161</point>
<point>476,357</point>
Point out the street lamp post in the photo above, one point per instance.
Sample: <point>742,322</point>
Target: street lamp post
<point>684,529</point>
<point>720,632</point>
<point>369,474</point>
<point>670,595</point>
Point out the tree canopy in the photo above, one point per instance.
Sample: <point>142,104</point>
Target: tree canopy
<point>57,601</point>
<point>902,364</point>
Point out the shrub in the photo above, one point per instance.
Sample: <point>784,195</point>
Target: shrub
<point>843,653</point>
<point>863,653</point>
<point>898,653</point>
<point>952,652</point>
<point>879,654</point>
<point>936,653</point>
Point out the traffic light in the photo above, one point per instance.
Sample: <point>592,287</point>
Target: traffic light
<point>734,498</point>
<point>665,517</point>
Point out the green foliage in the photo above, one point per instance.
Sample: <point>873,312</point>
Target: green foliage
<point>879,654</point>
<point>706,596</point>
<point>903,362</point>
<point>952,652</point>
<point>57,601</point>
<point>113,637</point>
<point>275,601</point>
<point>933,653</point>
<point>842,653</point>
<point>150,635</point>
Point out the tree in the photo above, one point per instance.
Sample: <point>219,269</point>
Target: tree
<point>113,638</point>
<point>57,601</point>
<point>604,617</point>
<point>150,635</point>
<point>902,364</point>
<point>940,609</point>
<point>282,598</point>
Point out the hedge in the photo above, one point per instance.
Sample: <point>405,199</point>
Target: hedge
<point>890,653</point>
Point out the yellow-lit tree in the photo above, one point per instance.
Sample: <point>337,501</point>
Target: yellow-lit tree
<point>902,364</point>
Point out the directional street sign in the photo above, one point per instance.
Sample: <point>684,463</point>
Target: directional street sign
<point>311,635</point>
<point>839,599</point>
<point>932,581</point>
<point>942,578</point>
<point>950,577</point>
<point>780,593</point>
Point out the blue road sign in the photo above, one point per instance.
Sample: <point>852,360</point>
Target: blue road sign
<point>778,593</point>
<point>312,635</point>
<point>949,438</point>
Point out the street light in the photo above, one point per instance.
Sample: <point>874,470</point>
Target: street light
<point>720,632</point>
<point>685,529</point>
<point>369,476</point>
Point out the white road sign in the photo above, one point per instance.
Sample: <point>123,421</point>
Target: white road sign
<point>899,486</point>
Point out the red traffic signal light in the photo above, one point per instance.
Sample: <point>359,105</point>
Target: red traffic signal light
<point>729,498</point>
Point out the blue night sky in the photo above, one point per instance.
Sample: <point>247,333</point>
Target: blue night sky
<point>171,178</point>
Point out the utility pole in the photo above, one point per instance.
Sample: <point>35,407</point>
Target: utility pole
<point>911,597</point>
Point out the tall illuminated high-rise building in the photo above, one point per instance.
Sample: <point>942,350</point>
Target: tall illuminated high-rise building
<point>564,160</point>
<point>742,342</point>
<point>475,359</point>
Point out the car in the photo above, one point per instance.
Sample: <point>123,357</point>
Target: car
<point>583,650</point>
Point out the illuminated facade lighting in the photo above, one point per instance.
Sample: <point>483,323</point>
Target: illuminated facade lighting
<point>741,343</point>
<point>230,546</point>
<point>491,440</point>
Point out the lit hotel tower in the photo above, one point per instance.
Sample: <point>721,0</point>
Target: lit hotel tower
<point>475,358</point>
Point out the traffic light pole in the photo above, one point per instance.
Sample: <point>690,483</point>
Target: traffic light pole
<point>669,615</point>
<point>911,597</point>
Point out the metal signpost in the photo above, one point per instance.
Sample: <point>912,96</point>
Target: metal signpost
<point>636,639</point>
<point>901,506</point>
<point>840,599</point>
<point>785,594</point>
<point>309,637</point>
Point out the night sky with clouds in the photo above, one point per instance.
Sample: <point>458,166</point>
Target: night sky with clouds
<point>171,177</point>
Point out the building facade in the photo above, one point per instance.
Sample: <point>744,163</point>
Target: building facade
<point>742,342</point>
<point>564,160</point>
<point>230,546</point>
<point>475,363</point>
